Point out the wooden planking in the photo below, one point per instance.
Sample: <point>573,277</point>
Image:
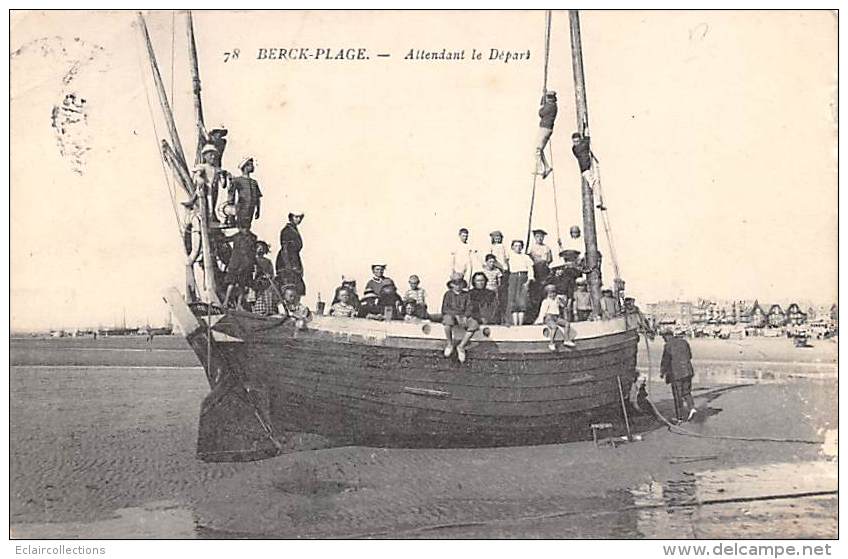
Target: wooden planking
<point>603,393</point>
<point>267,363</point>
<point>349,355</point>
<point>332,417</point>
<point>312,374</point>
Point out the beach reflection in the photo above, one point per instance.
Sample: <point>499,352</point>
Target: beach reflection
<point>788,500</point>
<point>160,520</point>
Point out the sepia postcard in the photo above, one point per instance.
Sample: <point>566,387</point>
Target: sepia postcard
<point>398,274</point>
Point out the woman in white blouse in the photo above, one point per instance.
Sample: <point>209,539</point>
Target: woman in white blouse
<point>520,276</point>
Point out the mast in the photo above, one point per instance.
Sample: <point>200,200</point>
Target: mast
<point>590,235</point>
<point>209,259</point>
<point>176,160</point>
<point>195,81</point>
<point>160,89</point>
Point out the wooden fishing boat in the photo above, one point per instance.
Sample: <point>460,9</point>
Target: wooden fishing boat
<point>365,382</point>
<point>358,381</point>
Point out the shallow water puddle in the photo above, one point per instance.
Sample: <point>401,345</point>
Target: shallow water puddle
<point>784,500</point>
<point>161,519</point>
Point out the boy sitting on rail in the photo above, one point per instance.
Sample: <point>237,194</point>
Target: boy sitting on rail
<point>417,294</point>
<point>456,311</point>
<point>343,307</point>
<point>293,308</point>
<point>551,313</point>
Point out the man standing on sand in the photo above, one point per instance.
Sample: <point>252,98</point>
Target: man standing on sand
<point>676,368</point>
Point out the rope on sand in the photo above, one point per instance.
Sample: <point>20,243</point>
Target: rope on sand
<point>678,430</point>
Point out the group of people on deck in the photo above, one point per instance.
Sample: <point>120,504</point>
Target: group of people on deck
<point>244,275</point>
<point>499,285</point>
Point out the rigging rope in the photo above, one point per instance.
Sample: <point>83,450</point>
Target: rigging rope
<point>553,185</point>
<point>547,48</point>
<point>157,139</point>
<point>544,90</point>
<point>605,217</point>
<point>530,217</point>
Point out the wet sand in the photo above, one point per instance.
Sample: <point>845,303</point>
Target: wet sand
<point>103,440</point>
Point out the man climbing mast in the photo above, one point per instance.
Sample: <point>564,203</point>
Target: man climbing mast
<point>547,116</point>
<point>590,237</point>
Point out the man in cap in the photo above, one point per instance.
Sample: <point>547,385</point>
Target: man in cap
<point>540,253</point>
<point>369,306</point>
<point>632,311</point>
<point>499,250</point>
<point>210,178</point>
<point>609,305</point>
<point>457,310</point>
<point>215,137</point>
<point>542,257</point>
<point>676,368</point>
<point>566,275</point>
<point>547,116</point>
<point>245,193</point>
<point>289,264</point>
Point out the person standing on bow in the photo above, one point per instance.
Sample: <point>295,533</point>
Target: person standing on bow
<point>542,257</point>
<point>289,265</point>
<point>499,250</point>
<point>210,179</point>
<point>463,256</point>
<point>215,137</point>
<point>245,194</point>
<point>241,267</point>
<point>547,116</point>
<point>520,276</point>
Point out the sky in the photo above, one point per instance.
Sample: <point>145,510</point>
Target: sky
<point>716,133</point>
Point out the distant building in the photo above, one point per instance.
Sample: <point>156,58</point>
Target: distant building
<point>757,316</point>
<point>776,316</point>
<point>795,316</point>
<point>671,312</point>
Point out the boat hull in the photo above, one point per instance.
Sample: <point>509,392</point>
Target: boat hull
<point>356,381</point>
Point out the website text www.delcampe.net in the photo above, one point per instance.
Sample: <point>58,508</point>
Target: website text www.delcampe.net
<point>747,550</point>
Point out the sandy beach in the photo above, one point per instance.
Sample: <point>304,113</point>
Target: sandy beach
<point>103,442</point>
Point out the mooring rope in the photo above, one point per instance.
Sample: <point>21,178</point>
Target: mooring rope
<point>678,430</point>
